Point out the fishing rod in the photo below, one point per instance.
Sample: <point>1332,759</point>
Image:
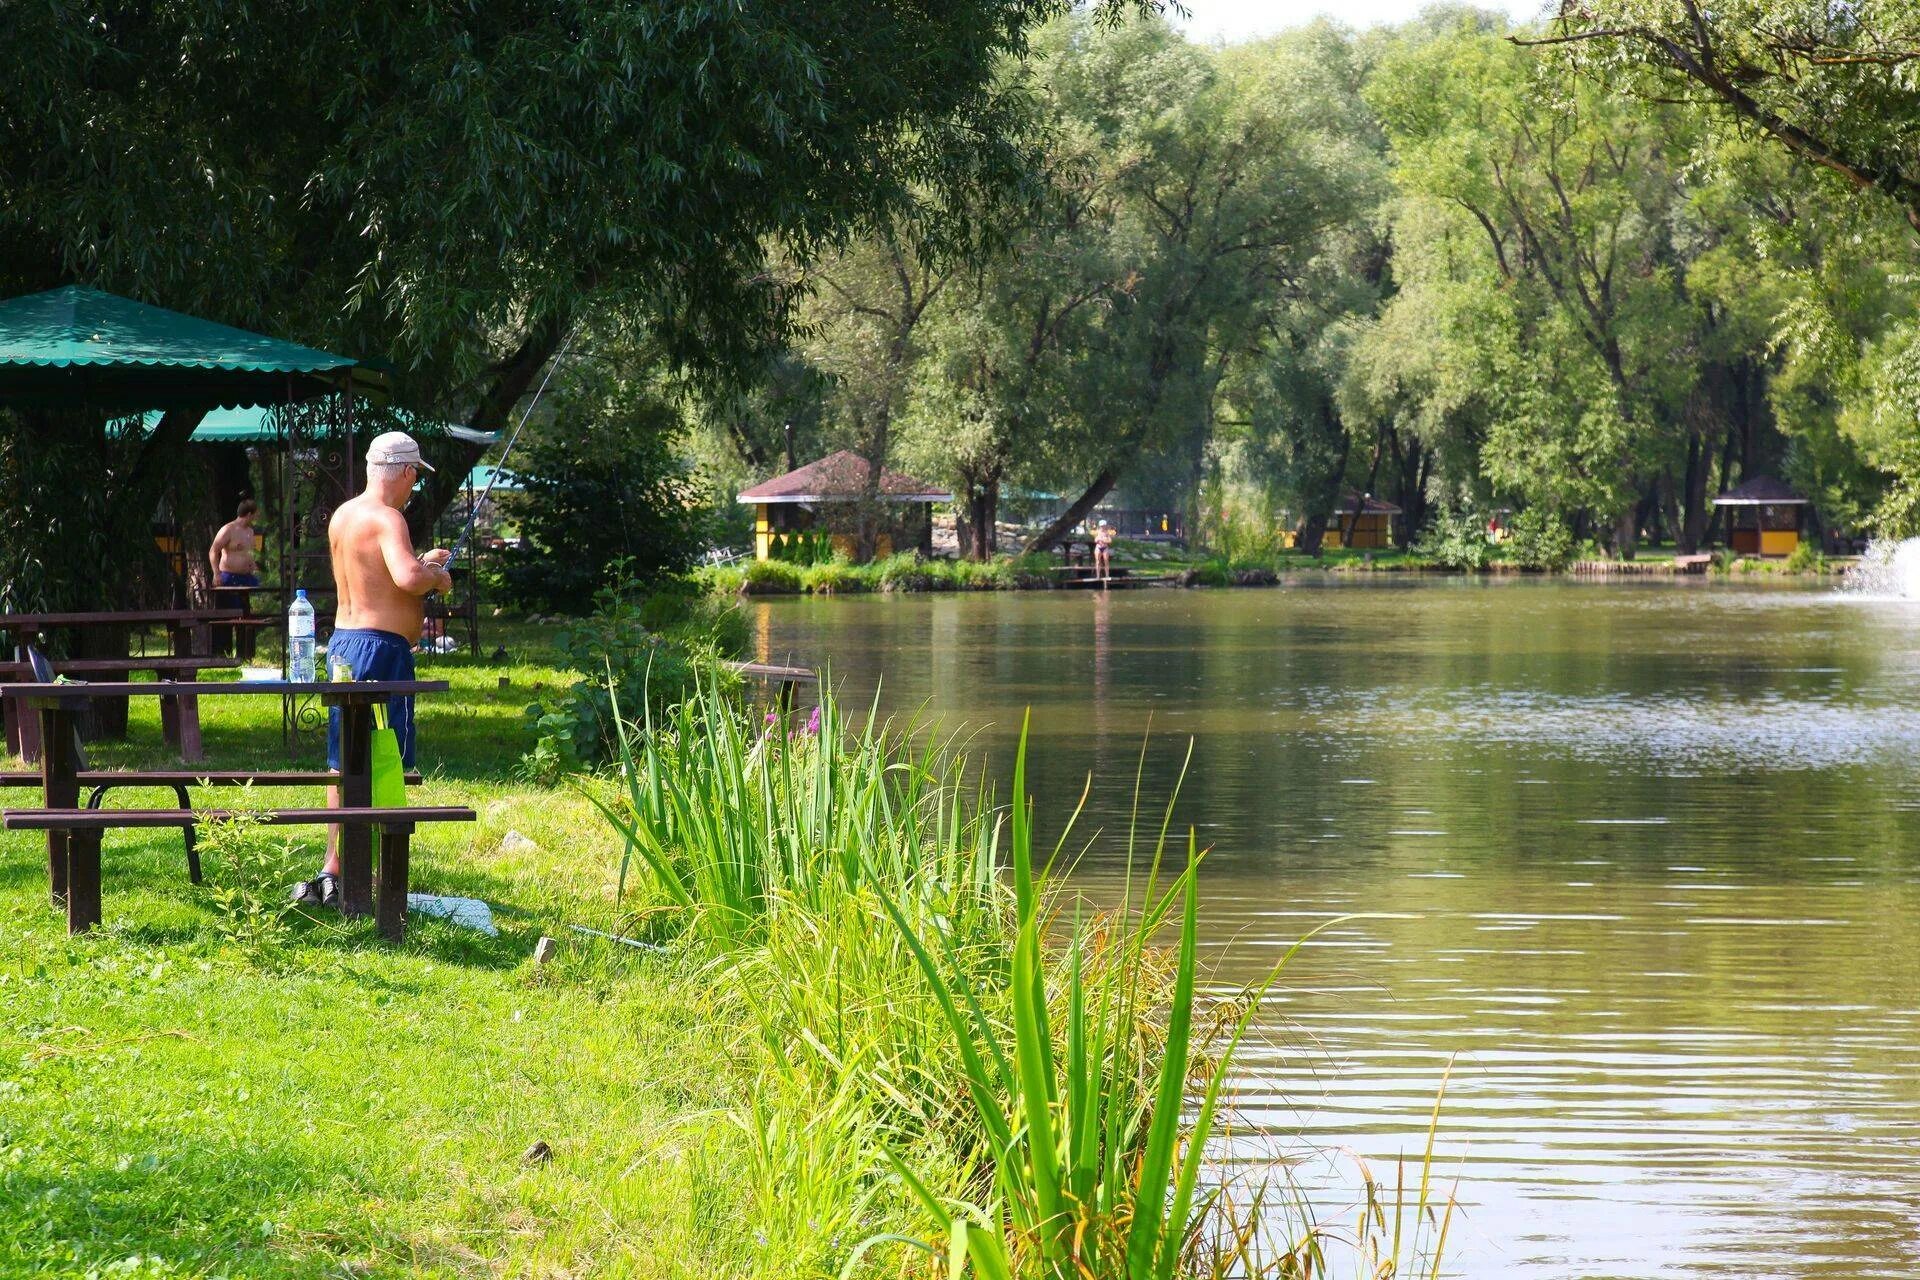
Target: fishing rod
<point>499,467</point>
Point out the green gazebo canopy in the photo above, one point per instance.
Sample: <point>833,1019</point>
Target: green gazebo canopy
<point>255,425</point>
<point>81,348</point>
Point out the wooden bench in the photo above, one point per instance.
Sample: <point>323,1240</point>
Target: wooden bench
<point>98,782</point>
<point>785,679</point>
<point>81,887</point>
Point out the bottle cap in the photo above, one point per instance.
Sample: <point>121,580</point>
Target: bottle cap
<point>300,593</point>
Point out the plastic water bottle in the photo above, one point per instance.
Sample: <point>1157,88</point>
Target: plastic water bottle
<point>300,639</point>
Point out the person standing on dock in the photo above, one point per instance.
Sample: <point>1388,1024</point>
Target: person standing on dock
<point>1103,551</point>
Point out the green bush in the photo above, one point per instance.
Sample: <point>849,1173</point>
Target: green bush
<point>1457,540</point>
<point>906,571</point>
<point>805,547</point>
<point>838,577</point>
<point>719,579</point>
<point>1539,539</point>
<point>984,575</point>
<point>772,578</point>
<point>604,485</point>
<point>656,666</point>
<point>1807,558</point>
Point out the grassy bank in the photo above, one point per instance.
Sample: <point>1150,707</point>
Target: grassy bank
<point>907,573</point>
<point>869,1032</point>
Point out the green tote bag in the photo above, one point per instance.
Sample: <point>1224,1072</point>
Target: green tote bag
<point>389,775</point>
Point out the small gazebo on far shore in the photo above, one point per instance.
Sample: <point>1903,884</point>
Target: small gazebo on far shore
<point>825,495</point>
<point>1361,521</point>
<point>1764,516</point>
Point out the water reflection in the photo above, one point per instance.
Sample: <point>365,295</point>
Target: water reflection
<point>1641,857</point>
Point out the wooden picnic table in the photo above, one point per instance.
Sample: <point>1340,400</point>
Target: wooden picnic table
<point>189,634</point>
<point>179,715</point>
<point>73,853</point>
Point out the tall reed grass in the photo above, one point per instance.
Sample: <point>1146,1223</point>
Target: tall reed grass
<point>953,1055</point>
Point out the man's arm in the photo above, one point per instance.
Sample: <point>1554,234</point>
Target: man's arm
<point>411,574</point>
<point>213,551</point>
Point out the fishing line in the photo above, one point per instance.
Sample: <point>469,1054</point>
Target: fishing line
<point>499,467</point>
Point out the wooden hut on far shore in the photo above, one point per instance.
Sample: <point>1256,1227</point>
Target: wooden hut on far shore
<point>1361,521</point>
<point>824,497</point>
<point>1764,517</point>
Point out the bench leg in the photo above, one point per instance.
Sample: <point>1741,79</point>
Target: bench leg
<point>58,788</point>
<point>170,722</point>
<point>83,880</point>
<point>189,838</point>
<point>390,906</point>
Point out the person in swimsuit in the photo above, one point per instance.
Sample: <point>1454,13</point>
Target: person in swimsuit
<point>1103,550</point>
<point>231,555</point>
<point>381,585</point>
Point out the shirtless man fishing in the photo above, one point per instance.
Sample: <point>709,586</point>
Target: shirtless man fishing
<point>380,584</point>
<point>231,555</point>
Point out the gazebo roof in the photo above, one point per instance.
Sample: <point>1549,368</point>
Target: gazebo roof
<point>1761,491</point>
<point>1374,506</point>
<point>255,425</point>
<point>81,347</point>
<point>840,477</point>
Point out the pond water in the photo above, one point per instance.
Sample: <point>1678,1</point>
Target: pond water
<point>1644,860</point>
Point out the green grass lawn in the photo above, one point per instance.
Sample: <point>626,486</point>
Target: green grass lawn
<point>176,1104</point>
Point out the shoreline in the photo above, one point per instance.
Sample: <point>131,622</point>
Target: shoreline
<point>904,575</point>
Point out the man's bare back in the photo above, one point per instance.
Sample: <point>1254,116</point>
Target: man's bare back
<point>379,579</point>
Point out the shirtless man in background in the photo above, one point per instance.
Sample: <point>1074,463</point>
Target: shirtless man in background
<point>380,584</point>
<point>231,555</point>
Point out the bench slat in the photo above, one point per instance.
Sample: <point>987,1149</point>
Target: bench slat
<point>116,819</point>
<point>158,662</point>
<point>191,778</point>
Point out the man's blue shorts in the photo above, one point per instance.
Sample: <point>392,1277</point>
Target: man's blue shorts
<point>360,653</point>
<point>237,579</point>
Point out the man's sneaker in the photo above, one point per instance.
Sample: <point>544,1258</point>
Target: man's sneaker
<point>321,891</point>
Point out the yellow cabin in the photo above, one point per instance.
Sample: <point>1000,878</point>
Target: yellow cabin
<point>821,501</point>
<point>1764,516</point>
<point>1362,522</point>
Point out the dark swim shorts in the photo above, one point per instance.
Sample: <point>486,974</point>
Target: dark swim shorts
<point>364,654</point>
<point>237,579</point>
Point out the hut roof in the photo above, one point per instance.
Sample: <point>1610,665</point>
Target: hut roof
<point>1760,491</point>
<point>841,477</point>
<point>1374,506</point>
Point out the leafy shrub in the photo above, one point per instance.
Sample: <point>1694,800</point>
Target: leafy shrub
<point>906,571</point>
<point>772,578</point>
<point>1539,539</point>
<point>719,579</point>
<point>1208,573</point>
<point>984,575</point>
<point>838,577</point>
<point>1457,540</point>
<point>657,665</point>
<point>248,869</point>
<point>1807,558</point>
<point>804,547</point>
<point>605,485</point>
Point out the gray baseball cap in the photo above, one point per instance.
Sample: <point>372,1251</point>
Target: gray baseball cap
<point>395,448</point>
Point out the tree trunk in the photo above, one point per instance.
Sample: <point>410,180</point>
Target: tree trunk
<point>1312,531</point>
<point>983,510</point>
<point>1693,521</point>
<point>1050,536</point>
<point>1623,532</point>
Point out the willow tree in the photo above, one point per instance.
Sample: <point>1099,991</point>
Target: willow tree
<point>453,188</point>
